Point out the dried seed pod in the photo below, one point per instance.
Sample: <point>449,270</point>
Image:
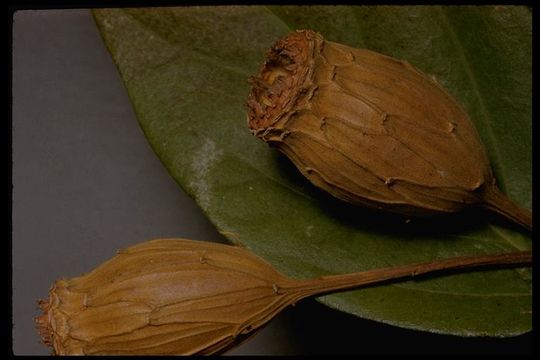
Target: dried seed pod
<point>184,297</point>
<point>372,130</point>
<point>163,297</point>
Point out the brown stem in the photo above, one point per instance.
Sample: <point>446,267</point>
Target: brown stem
<point>498,202</point>
<point>348,281</point>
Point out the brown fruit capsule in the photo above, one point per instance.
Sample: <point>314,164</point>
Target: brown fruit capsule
<point>163,297</point>
<point>372,130</point>
<point>184,297</point>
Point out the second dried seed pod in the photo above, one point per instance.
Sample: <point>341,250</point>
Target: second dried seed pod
<point>186,297</point>
<point>372,130</point>
<point>164,297</point>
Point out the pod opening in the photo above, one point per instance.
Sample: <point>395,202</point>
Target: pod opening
<point>279,83</point>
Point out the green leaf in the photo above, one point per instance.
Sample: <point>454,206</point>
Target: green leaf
<point>186,72</point>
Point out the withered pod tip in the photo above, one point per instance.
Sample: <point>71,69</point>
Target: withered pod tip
<point>281,80</point>
<point>42,323</point>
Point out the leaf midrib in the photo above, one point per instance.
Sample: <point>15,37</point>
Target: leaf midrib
<point>452,293</point>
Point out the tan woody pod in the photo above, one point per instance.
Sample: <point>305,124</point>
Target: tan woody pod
<point>174,296</point>
<point>372,130</point>
<point>186,297</point>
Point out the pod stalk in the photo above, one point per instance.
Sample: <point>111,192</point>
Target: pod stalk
<point>332,283</point>
<point>499,203</point>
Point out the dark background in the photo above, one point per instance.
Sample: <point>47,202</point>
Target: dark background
<point>86,183</point>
